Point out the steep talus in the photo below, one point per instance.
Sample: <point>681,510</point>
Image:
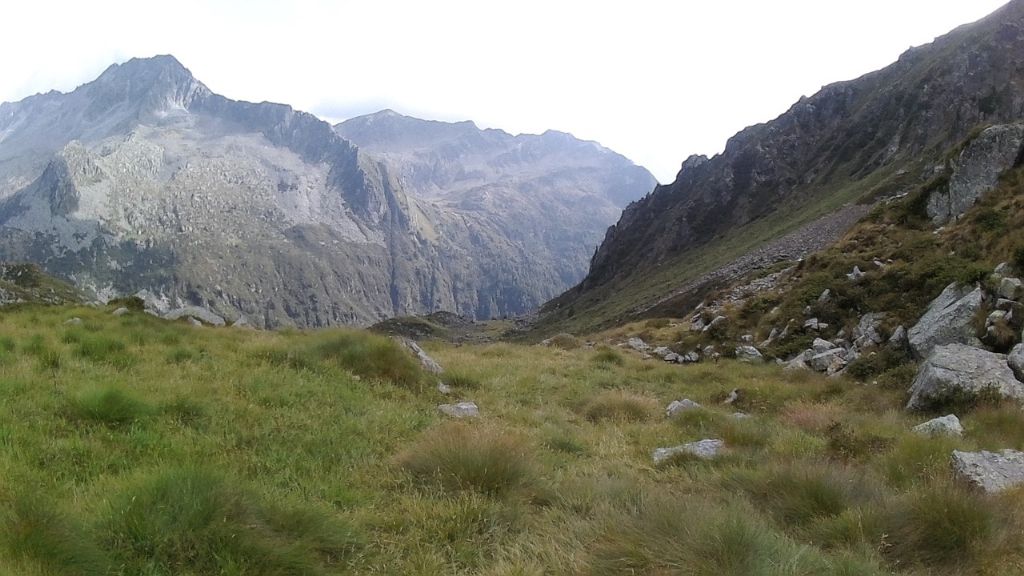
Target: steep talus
<point>146,180</point>
<point>881,134</point>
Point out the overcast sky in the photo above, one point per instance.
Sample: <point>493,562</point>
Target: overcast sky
<point>656,80</point>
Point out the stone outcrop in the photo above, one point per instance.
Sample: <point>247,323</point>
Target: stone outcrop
<point>957,373</point>
<point>706,449</point>
<point>977,171</point>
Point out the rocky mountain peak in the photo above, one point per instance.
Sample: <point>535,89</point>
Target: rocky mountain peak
<point>159,84</point>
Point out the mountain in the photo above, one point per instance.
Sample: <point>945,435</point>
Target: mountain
<point>550,194</point>
<point>883,134</point>
<point>145,180</point>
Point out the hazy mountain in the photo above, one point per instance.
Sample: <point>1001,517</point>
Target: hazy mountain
<point>883,134</point>
<point>145,179</point>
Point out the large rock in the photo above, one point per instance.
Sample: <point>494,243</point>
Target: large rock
<point>948,425</point>
<point>677,407</point>
<point>749,354</point>
<point>867,333</point>
<point>828,361</point>
<point>1010,288</point>
<point>977,171</point>
<point>706,449</point>
<point>428,363</point>
<point>638,344</point>
<point>989,472</point>
<point>957,373</point>
<point>460,410</point>
<point>197,312</point>
<point>1016,361</point>
<point>948,320</point>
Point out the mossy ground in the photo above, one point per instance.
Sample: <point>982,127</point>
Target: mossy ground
<point>130,445</point>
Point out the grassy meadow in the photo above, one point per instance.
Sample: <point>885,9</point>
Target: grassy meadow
<point>130,445</point>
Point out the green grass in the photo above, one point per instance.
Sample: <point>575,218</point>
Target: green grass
<point>223,451</point>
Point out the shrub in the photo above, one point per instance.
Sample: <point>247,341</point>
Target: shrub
<point>130,302</point>
<point>464,457</point>
<point>110,405</point>
<point>873,364</point>
<point>618,405</point>
<point>191,521</point>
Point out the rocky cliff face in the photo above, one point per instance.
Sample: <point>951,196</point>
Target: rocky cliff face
<point>888,127</point>
<point>145,179</point>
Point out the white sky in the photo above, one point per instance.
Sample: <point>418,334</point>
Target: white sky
<point>656,80</point>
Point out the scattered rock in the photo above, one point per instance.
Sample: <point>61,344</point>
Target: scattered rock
<point>959,372</point>
<point>704,449</point>
<point>661,352</point>
<point>989,472</point>
<point>898,340</point>
<point>194,322</point>
<point>825,296</point>
<point>948,425</point>
<point>460,410</point>
<point>856,274</point>
<point>709,351</point>
<point>197,313</point>
<point>823,361</point>
<point>1003,269</point>
<point>867,331</point>
<point>747,338</point>
<point>740,416</point>
<point>76,321</point>
<point>689,358</point>
<point>718,321</point>
<point>426,362</point>
<point>672,357</point>
<point>800,361</point>
<point>748,354</point>
<point>121,311</point>
<point>679,406</point>
<point>948,320</point>
<point>444,388</point>
<point>814,324</point>
<point>733,396</point>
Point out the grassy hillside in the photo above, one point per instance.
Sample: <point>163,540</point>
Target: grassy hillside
<point>130,445</point>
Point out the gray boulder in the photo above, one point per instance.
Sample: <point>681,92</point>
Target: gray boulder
<point>856,274</point>
<point>196,312</point>
<point>867,331</point>
<point>76,321</point>
<point>428,363</point>
<point>948,425</point>
<point>706,449</point>
<point>718,321</point>
<point>820,345</point>
<point>959,372</point>
<point>638,344</point>
<point>749,354</point>
<point>121,312</point>
<point>689,358</point>
<point>460,410</point>
<point>800,361</point>
<point>989,472</point>
<point>677,407</point>
<point>1010,288</point>
<point>899,339</point>
<point>1016,361</point>
<point>976,172</point>
<point>948,320</point>
<point>829,361</point>
<point>661,352</point>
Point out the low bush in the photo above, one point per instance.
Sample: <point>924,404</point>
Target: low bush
<point>608,356</point>
<point>565,341</point>
<point>937,527</point>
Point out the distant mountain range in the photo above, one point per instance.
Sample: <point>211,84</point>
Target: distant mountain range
<point>145,180</point>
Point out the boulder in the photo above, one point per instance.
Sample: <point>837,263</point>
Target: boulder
<point>948,320</point>
<point>820,345</point>
<point>899,339</point>
<point>856,274</point>
<point>672,357</point>
<point>1010,288</point>
<point>196,312</point>
<point>814,324</point>
<point>1003,269</point>
<point>823,361</point>
<point>638,344</point>
<point>749,354</point>
<point>825,296</point>
<point>959,372</point>
<point>734,395</point>
<point>76,321</point>
<point>989,472</point>
<point>747,338</point>
<point>800,361</point>
<point>704,449</point>
<point>121,311</point>
<point>443,388</point>
<point>661,352</point>
<point>460,410</point>
<point>948,425</point>
<point>426,362</point>
<point>677,407</point>
<point>1016,361</point>
<point>867,331</point>
<point>689,358</point>
<point>718,321</point>
<point>976,171</point>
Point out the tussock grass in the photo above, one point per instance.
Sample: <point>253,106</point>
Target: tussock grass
<point>565,341</point>
<point>108,405</point>
<point>466,457</point>
<point>619,405</point>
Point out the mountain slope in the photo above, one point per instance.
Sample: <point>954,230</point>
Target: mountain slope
<point>146,180</point>
<point>882,134</point>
